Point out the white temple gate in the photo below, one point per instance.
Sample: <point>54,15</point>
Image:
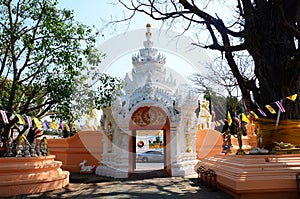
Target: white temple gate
<point>155,98</point>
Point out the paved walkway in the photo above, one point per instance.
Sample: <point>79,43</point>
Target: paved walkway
<point>93,186</point>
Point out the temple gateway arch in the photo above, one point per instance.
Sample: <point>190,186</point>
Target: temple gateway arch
<point>156,111</point>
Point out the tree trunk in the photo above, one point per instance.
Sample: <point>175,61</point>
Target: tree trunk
<point>276,58</point>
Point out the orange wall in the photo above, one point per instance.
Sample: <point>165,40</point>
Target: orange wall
<point>208,143</point>
<point>85,145</point>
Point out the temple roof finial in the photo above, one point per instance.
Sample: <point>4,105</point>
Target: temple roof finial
<point>148,53</point>
<point>148,43</point>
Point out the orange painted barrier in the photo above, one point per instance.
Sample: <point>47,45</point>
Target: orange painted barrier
<point>208,143</point>
<point>31,175</point>
<point>250,176</point>
<point>256,176</point>
<point>85,145</point>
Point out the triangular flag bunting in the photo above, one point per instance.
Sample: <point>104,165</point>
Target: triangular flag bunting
<point>47,124</point>
<point>237,119</point>
<point>281,108</point>
<point>61,126</point>
<point>254,115</point>
<point>262,112</point>
<point>53,125</point>
<point>4,117</point>
<point>292,97</point>
<point>67,127</point>
<point>29,121</point>
<point>222,122</point>
<point>37,123</point>
<point>270,108</point>
<point>21,120</point>
<point>245,118</point>
<point>229,118</point>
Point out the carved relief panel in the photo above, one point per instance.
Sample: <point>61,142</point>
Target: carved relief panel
<point>149,116</point>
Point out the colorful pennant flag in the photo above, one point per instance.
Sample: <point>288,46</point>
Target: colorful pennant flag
<point>270,108</point>
<point>29,121</point>
<point>67,127</point>
<point>281,108</point>
<point>236,118</point>
<point>222,122</point>
<point>262,112</point>
<point>292,97</point>
<point>21,119</point>
<point>4,117</point>
<point>245,118</point>
<point>54,125</point>
<point>72,128</point>
<point>229,118</point>
<point>37,123</point>
<point>254,115</point>
<point>47,124</point>
<point>61,125</point>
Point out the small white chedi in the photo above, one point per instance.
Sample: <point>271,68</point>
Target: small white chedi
<point>154,95</point>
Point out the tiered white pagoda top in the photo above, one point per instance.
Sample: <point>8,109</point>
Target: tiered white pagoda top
<point>149,71</point>
<point>148,54</point>
<point>150,80</point>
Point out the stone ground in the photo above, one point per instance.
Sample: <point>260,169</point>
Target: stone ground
<point>139,186</point>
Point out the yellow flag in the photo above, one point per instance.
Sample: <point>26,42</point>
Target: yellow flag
<point>37,123</point>
<point>252,113</point>
<point>245,118</point>
<point>53,125</point>
<point>229,119</point>
<point>292,97</point>
<point>67,127</point>
<point>22,138</point>
<point>21,120</point>
<point>270,108</point>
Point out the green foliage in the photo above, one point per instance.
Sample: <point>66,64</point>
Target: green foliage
<point>42,53</point>
<point>108,89</point>
<point>42,67</point>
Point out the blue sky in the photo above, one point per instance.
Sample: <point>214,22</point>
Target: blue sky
<point>92,12</point>
<point>95,12</point>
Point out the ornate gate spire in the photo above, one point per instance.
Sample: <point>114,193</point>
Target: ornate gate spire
<point>148,54</point>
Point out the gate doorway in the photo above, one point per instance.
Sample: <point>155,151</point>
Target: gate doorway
<point>149,142</point>
<point>150,150</point>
